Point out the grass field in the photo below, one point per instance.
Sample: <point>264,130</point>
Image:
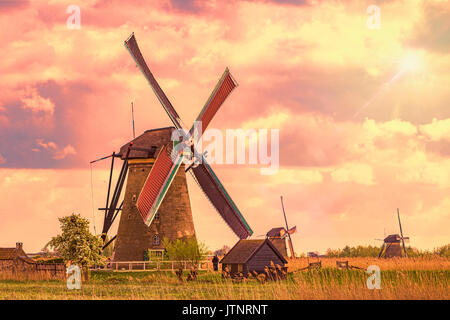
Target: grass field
<point>400,279</point>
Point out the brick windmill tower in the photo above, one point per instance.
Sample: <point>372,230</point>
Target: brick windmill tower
<point>156,201</point>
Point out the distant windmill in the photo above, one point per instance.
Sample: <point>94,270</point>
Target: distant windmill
<point>278,235</point>
<point>391,244</point>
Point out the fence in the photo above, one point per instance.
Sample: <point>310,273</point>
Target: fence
<point>34,271</point>
<point>154,265</point>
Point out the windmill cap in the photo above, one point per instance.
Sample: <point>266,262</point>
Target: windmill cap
<point>150,139</point>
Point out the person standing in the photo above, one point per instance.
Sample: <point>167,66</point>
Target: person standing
<point>215,262</point>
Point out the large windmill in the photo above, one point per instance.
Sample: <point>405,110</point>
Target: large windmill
<point>156,202</point>
<point>394,244</point>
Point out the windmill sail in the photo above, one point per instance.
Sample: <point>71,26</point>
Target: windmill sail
<point>220,199</point>
<point>401,233</point>
<point>220,93</point>
<point>289,231</point>
<point>292,230</point>
<point>133,48</point>
<point>157,184</point>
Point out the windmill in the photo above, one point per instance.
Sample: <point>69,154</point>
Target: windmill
<point>156,201</point>
<point>391,244</point>
<point>279,235</point>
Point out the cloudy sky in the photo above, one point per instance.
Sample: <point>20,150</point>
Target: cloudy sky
<point>363,113</point>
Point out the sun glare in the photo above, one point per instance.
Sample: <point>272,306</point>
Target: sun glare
<point>411,62</point>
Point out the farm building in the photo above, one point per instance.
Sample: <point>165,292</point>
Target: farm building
<point>15,259</point>
<point>249,256</point>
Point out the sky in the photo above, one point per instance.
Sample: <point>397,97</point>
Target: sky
<point>363,112</point>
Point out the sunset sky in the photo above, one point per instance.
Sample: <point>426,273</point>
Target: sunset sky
<point>363,114</point>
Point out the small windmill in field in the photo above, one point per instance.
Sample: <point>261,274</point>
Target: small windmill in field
<point>394,244</point>
<point>278,236</point>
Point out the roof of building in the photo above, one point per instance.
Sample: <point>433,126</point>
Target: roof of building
<point>276,232</point>
<point>13,253</point>
<point>150,138</point>
<point>27,259</point>
<point>243,250</point>
<point>8,253</point>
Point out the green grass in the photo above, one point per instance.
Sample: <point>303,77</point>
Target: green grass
<point>327,283</point>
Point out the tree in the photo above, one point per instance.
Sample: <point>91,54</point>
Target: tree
<point>186,250</point>
<point>76,244</point>
<point>223,251</point>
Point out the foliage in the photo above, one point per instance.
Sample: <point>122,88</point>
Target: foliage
<point>373,251</point>
<point>76,243</point>
<point>359,251</point>
<point>185,250</point>
<point>48,260</point>
<point>443,251</point>
<point>108,251</point>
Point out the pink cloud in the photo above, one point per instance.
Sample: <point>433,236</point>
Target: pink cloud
<point>67,150</point>
<point>58,153</point>
<point>32,100</point>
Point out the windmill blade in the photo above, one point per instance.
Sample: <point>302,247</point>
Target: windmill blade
<point>284,236</point>
<point>292,230</point>
<point>133,48</point>
<point>381,251</point>
<point>220,199</point>
<point>291,246</point>
<point>157,184</point>
<point>224,86</point>
<point>401,232</point>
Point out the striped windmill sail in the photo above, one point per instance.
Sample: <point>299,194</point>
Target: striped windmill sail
<point>221,200</point>
<point>220,93</point>
<point>133,48</point>
<point>157,184</point>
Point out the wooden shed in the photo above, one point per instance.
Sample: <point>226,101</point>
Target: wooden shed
<point>249,256</point>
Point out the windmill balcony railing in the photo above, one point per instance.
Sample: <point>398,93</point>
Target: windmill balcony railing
<point>161,265</point>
